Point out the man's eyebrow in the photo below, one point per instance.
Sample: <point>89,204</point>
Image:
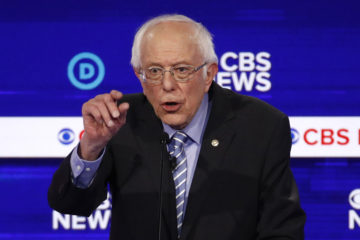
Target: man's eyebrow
<point>154,65</point>
<point>183,63</point>
<point>175,64</point>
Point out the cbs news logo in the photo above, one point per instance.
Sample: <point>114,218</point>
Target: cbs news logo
<point>245,71</point>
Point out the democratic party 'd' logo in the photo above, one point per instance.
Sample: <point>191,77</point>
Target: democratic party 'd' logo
<point>86,71</point>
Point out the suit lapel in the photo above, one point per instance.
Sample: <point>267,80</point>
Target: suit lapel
<point>217,137</point>
<point>148,133</point>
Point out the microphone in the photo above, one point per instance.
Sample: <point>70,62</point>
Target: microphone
<point>164,139</point>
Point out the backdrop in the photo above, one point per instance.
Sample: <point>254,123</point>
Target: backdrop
<point>300,56</point>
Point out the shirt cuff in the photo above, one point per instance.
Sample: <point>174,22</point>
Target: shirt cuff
<point>83,171</point>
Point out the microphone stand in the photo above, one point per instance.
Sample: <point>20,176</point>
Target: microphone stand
<point>164,140</point>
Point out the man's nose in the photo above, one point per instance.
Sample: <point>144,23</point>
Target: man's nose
<point>169,82</point>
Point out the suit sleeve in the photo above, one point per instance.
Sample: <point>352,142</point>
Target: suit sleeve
<point>281,216</point>
<point>65,197</point>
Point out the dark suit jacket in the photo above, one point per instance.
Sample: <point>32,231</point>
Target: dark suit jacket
<point>242,189</point>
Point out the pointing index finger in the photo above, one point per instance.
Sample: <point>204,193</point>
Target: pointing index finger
<point>116,94</point>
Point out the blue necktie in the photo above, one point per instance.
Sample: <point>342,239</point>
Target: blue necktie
<point>176,150</point>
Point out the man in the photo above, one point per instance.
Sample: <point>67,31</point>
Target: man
<point>227,173</point>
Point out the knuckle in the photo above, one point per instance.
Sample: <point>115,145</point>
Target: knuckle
<point>86,104</point>
<point>87,107</point>
<point>98,97</point>
<point>107,98</point>
<point>96,114</point>
<point>105,114</point>
<point>99,105</point>
<point>115,91</point>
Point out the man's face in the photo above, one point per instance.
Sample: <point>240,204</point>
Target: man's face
<point>165,45</point>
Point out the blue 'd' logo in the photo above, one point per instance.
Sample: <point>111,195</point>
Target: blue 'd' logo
<point>295,136</point>
<point>66,136</point>
<point>89,68</point>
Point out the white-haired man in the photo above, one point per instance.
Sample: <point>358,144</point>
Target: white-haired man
<point>222,173</point>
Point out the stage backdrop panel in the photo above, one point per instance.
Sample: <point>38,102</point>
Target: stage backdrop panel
<point>300,56</point>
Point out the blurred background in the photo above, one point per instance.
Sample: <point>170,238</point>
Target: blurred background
<point>300,56</point>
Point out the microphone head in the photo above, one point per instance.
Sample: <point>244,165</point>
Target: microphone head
<point>164,138</point>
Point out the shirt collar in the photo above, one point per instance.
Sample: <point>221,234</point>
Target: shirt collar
<point>195,128</point>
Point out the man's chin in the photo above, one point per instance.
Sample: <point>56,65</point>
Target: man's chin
<point>174,122</point>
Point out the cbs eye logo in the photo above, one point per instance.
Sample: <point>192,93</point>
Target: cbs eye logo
<point>295,136</point>
<point>354,198</point>
<point>66,136</point>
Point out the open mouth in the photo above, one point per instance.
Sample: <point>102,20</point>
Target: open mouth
<point>171,103</point>
<point>171,106</point>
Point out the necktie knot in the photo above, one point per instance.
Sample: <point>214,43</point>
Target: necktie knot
<point>179,139</point>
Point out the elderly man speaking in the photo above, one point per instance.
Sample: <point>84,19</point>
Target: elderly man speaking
<point>185,159</point>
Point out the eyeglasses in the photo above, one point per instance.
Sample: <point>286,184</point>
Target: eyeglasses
<point>181,73</point>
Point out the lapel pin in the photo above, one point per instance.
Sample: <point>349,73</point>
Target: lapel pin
<point>215,142</point>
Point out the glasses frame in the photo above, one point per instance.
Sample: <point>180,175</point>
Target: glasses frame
<point>171,71</point>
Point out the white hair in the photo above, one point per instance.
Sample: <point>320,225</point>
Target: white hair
<point>202,36</point>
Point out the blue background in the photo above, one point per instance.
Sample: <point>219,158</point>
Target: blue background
<point>314,47</point>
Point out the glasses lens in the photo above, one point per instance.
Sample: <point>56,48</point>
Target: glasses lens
<point>183,72</point>
<point>153,73</point>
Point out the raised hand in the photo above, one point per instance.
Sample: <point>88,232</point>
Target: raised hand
<point>102,119</point>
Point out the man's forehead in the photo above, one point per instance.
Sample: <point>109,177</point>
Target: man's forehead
<point>171,28</point>
<point>168,43</point>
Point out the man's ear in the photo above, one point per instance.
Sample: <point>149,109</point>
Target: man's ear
<point>210,74</point>
<point>137,73</point>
